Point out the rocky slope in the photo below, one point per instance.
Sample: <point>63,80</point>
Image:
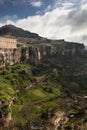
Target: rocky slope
<point>18,33</point>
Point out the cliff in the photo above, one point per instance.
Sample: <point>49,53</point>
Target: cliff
<point>9,56</point>
<point>36,48</point>
<point>36,53</point>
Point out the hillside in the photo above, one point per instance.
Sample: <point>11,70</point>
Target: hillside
<point>18,33</point>
<point>32,91</point>
<point>42,82</point>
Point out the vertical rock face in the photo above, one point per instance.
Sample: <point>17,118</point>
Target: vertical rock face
<point>33,54</point>
<point>9,56</point>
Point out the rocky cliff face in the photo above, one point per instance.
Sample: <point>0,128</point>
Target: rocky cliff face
<point>9,56</point>
<point>36,53</point>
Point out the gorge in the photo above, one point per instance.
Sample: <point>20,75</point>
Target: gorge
<point>43,83</point>
<point>34,53</point>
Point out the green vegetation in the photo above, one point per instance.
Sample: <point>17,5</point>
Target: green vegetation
<point>35,90</point>
<point>28,90</point>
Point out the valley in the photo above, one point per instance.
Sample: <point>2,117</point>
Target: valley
<point>39,91</point>
<point>43,85</point>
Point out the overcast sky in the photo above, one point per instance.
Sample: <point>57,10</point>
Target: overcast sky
<point>54,19</point>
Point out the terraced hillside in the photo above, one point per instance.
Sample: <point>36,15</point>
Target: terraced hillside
<point>33,92</point>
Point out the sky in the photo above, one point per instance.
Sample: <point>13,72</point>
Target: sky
<point>52,19</point>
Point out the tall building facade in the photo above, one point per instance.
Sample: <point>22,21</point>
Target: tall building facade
<point>6,42</point>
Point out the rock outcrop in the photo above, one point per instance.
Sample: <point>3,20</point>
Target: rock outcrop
<point>36,53</point>
<point>9,56</point>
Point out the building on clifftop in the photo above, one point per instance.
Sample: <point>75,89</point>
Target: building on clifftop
<point>6,42</point>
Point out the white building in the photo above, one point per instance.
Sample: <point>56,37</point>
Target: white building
<point>6,42</point>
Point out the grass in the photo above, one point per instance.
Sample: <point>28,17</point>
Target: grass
<point>39,93</point>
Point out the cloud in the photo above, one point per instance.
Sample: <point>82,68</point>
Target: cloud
<point>8,18</point>
<point>66,4</point>
<point>59,23</point>
<point>36,3</point>
<point>49,8</point>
